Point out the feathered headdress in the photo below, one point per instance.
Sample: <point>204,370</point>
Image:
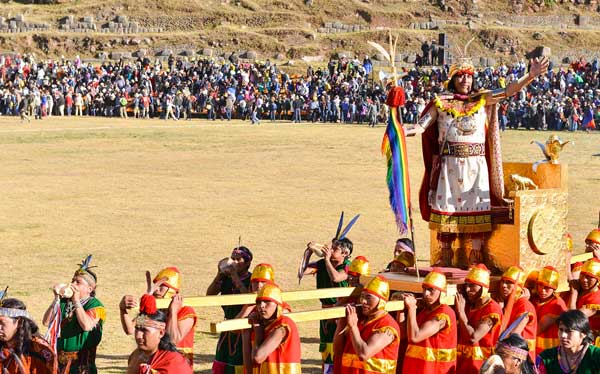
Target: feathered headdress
<point>462,65</point>
<point>3,295</point>
<point>84,271</point>
<point>341,234</point>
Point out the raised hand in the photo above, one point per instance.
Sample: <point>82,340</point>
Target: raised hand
<point>538,66</point>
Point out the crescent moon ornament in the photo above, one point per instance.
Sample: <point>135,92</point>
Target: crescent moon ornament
<point>541,234</point>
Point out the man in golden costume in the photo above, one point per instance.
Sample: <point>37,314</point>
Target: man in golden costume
<point>463,160</point>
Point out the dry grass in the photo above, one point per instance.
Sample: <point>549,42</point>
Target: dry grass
<point>144,195</point>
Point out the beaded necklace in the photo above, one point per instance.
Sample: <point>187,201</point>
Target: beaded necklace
<point>457,113</point>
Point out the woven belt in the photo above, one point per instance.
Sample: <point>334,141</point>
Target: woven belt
<point>65,357</point>
<point>464,149</point>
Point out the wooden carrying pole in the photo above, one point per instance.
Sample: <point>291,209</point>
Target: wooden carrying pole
<point>310,315</point>
<point>250,298</point>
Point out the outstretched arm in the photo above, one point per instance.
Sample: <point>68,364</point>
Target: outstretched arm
<point>538,66</point>
<point>423,123</point>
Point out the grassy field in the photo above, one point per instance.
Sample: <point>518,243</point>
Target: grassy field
<point>145,195</point>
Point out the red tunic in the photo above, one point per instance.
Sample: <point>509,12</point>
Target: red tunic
<point>161,362</point>
<point>186,345</point>
<point>285,359</point>
<point>383,361</point>
<point>523,305</point>
<point>469,357</point>
<point>551,308</point>
<point>591,301</point>
<point>436,354</point>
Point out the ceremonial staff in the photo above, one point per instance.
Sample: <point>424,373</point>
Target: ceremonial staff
<point>393,147</point>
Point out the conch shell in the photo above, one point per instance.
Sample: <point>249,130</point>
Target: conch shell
<point>311,248</point>
<point>225,265</point>
<point>63,290</point>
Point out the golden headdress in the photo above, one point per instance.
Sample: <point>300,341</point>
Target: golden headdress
<point>171,277</point>
<point>593,236</point>
<point>548,277</point>
<point>359,266</point>
<point>480,275</point>
<point>378,287</point>
<point>592,268</point>
<point>405,258</point>
<point>463,65</point>
<point>435,279</point>
<point>272,292</point>
<point>263,273</point>
<point>515,275</point>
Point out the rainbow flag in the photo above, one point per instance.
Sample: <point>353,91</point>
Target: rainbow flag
<point>393,148</point>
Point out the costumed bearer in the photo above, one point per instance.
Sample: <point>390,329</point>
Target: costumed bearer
<point>479,319</point>
<point>432,333</point>
<point>368,338</point>
<point>181,320</point>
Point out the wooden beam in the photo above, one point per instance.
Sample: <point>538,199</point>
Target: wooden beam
<point>582,257</point>
<point>309,315</point>
<point>250,298</point>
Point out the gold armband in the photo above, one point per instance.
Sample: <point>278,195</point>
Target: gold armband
<point>499,94</point>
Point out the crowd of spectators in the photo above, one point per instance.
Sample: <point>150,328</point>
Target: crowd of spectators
<point>179,88</point>
<point>346,90</point>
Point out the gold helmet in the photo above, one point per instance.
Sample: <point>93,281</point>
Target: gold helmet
<point>172,279</point>
<point>592,268</point>
<point>515,275</point>
<point>359,266</point>
<point>435,279</point>
<point>378,287</point>
<point>271,292</point>
<point>532,279</point>
<point>263,273</point>
<point>480,275</point>
<point>548,277</point>
<point>405,258</point>
<point>593,236</point>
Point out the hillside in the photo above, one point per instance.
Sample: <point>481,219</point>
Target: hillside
<point>296,29</point>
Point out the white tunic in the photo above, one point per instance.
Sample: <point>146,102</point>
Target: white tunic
<point>462,196</point>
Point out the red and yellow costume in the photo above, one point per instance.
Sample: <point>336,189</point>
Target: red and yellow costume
<point>591,299</point>
<point>171,277</point>
<point>516,276</point>
<point>471,356</point>
<point>383,361</point>
<point>436,354</point>
<point>285,359</point>
<point>552,307</point>
<point>39,360</point>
